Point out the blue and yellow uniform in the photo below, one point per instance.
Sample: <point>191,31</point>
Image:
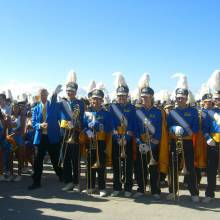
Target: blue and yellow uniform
<point>186,119</point>
<point>71,165</point>
<point>211,132</point>
<point>123,118</point>
<point>152,136</point>
<point>97,123</point>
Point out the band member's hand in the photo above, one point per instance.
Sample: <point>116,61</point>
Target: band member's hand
<point>43,125</point>
<point>91,124</point>
<point>144,148</point>
<point>90,134</point>
<point>211,142</point>
<point>58,90</point>
<point>178,130</point>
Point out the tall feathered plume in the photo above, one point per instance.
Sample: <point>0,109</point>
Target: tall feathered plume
<point>163,96</point>
<point>214,81</point>
<point>100,86</point>
<point>191,98</point>
<point>144,81</point>
<point>182,80</point>
<point>9,95</point>
<point>91,86</point>
<point>71,77</point>
<point>202,91</point>
<point>119,80</point>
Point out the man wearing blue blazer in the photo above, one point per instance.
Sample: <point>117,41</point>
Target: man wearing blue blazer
<point>45,119</point>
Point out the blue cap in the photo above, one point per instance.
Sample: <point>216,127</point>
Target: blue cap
<point>122,90</point>
<point>147,91</point>
<point>207,97</point>
<point>182,92</point>
<point>71,86</point>
<point>216,94</point>
<point>97,93</point>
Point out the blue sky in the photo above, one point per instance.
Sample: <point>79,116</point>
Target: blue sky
<point>41,40</point>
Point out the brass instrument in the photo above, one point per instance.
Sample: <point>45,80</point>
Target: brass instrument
<point>179,151</point>
<point>71,135</point>
<point>122,150</point>
<point>95,146</point>
<point>218,145</point>
<point>147,135</point>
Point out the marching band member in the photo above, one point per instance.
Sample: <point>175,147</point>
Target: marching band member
<point>97,126</point>
<point>123,115</point>
<point>182,123</point>
<point>71,166</point>
<point>148,135</point>
<point>211,131</point>
<point>45,120</point>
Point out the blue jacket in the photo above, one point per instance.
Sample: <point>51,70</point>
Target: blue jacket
<point>53,116</point>
<point>191,117</point>
<point>209,124</point>
<point>155,117</point>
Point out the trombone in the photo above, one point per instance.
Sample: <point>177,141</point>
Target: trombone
<point>147,140</point>
<point>71,135</point>
<point>122,158</point>
<point>95,145</point>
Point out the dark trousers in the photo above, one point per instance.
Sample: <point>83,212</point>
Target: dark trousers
<point>53,150</point>
<point>189,163</point>
<point>71,165</point>
<point>122,166</point>
<point>212,166</point>
<point>91,171</point>
<point>142,168</point>
<point>141,171</point>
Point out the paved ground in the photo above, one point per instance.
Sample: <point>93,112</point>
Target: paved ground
<point>50,203</point>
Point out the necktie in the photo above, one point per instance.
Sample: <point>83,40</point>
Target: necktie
<point>44,111</point>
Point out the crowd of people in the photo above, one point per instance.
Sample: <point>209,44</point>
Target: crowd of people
<point>142,140</point>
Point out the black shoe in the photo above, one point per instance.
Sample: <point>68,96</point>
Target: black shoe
<point>34,186</point>
<point>61,178</point>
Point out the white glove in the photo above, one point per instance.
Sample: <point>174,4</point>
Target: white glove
<point>144,148</point>
<point>211,142</point>
<point>179,131</point>
<point>91,124</point>
<point>90,134</point>
<point>58,89</point>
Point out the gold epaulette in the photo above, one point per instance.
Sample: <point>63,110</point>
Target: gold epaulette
<point>216,137</point>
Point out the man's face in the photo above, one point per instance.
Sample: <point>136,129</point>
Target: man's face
<point>181,101</point>
<point>207,103</point>
<point>44,95</point>
<point>146,100</point>
<point>217,102</point>
<point>122,99</point>
<point>96,102</point>
<point>71,94</point>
